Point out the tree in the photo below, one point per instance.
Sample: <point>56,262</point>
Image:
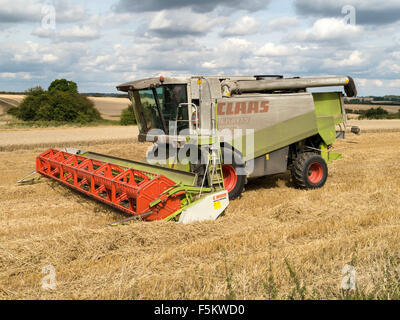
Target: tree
<point>378,113</point>
<point>127,116</point>
<point>375,113</point>
<point>29,107</point>
<point>61,103</point>
<point>63,85</point>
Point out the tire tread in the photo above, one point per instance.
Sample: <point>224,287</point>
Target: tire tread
<point>298,170</point>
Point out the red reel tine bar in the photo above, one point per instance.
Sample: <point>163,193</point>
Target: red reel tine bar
<point>124,188</point>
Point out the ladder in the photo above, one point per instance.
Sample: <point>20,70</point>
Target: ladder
<point>215,167</point>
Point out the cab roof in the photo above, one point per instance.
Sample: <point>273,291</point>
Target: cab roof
<point>158,81</point>
<point>150,83</point>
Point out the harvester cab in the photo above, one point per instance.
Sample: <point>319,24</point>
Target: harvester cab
<point>211,134</point>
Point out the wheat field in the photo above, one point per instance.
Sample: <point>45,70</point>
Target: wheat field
<point>382,125</point>
<point>273,242</point>
<point>389,108</point>
<point>8,101</point>
<point>110,108</point>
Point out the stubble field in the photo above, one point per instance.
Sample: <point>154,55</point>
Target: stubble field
<point>273,242</point>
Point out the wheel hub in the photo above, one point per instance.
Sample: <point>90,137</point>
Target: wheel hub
<point>315,172</point>
<point>230,177</point>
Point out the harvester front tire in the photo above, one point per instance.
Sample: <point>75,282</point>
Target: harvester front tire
<point>309,171</point>
<point>233,182</point>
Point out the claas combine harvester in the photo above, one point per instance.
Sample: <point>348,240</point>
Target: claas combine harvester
<point>211,134</point>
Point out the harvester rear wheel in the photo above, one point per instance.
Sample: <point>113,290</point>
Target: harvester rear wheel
<point>309,171</point>
<point>233,182</point>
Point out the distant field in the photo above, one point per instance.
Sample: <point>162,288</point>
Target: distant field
<point>8,101</point>
<point>17,97</point>
<point>110,108</point>
<point>376,125</point>
<point>390,109</point>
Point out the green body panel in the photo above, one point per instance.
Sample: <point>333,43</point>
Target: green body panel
<point>329,104</point>
<point>291,118</point>
<point>327,155</point>
<point>172,163</point>
<point>279,135</point>
<point>206,140</point>
<point>328,110</point>
<point>177,176</point>
<point>326,129</point>
<point>323,120</point>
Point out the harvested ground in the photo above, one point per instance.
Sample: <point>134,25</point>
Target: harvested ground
<point>273,242</point>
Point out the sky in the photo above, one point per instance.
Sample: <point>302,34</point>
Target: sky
<point>100,44</point>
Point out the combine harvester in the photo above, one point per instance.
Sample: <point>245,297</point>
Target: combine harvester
<point>196,165</point>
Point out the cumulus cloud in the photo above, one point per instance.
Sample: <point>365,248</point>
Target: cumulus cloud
<point>372,85</point>
<point>43,32</point>
<point>110,19</point>
<point>210,65</point>
<point>273,50</point>
<point>328,29</point>
<point>8,75</point>
<point>396,55</point>
<point>16,75</point>
<point>282,24</point>
<point>178,23</point>
<point>355,59</point>
<point>234,45</point>
<point>228,56</point>
<point>195,5</point>
<point>244,26</point>
<point>389,67</point>
<point>66,11</point>
<point>79,33</point>
<point>35,57</point>
<point>21,11</point>
<point>10,11</point>
<point>394,84</point>
<point>182,57</point>
<point>372,12</point>
<point>76,33</point>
